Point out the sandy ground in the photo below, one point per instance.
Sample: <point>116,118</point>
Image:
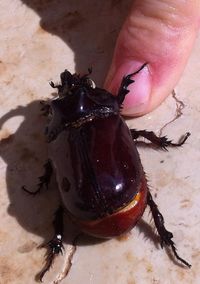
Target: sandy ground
<point>39,39</point>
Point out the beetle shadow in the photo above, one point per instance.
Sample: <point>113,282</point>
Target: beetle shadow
<point>89,29</point>
<point>25,152</point>
<point>149,232</point>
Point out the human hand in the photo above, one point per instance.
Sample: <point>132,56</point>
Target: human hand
<point>161,33</point>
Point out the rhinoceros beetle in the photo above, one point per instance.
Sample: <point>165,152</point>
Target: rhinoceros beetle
<point>102,183</point>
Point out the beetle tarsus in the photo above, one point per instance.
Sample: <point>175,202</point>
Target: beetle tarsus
<point>165,236</point>
<point>44,180</point>
<point>54,246</point>
<point>162,142</point>
<point>182,141</point>
<point>49,261</point>
<point>126,81</point>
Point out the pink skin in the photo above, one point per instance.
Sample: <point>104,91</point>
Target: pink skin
<point>161,33</point>
<point>141,85</point>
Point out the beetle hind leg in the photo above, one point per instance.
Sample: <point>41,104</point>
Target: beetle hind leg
<point>55,246</point>
<point>162,142</point>
<point>165,235</point>
<point>44,180</point>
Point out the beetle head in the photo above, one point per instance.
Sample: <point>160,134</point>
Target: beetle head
<point>78,98</point>
<point>79,101</point>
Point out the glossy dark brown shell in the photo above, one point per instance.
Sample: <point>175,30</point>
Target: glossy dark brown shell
<point>98,168</point>
<point>120,222</point>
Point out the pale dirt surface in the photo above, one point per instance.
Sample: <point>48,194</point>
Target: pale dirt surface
<point>39,39</point>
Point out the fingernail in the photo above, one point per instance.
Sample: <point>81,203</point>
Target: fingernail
<point>136,101</point>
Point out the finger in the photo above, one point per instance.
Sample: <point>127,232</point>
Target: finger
<point>161,33</point>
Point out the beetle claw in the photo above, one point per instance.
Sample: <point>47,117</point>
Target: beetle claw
<point>167,240</point>
<point>54,247</point>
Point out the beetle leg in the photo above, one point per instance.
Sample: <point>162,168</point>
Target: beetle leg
<point>123,91</point>
<point>161,142</point>
<point>165,236</point>
<point>44,180</point>
<point>126,81</point>
<point>55,246</point>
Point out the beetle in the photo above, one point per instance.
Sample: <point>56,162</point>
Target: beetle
<point>102,183</point>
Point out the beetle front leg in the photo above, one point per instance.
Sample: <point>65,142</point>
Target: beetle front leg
<point>126,81</point>
<point>55,246</point>
<point>165,236</point>
<point>44,180</point>
<point>162,142</point>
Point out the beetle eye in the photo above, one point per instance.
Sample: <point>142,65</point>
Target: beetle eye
<point>91,83</point>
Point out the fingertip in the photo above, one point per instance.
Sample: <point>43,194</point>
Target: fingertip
<point>159,38</point>
<point>137,100</point>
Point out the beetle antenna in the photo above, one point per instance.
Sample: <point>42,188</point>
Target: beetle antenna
<point>87,74</point>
